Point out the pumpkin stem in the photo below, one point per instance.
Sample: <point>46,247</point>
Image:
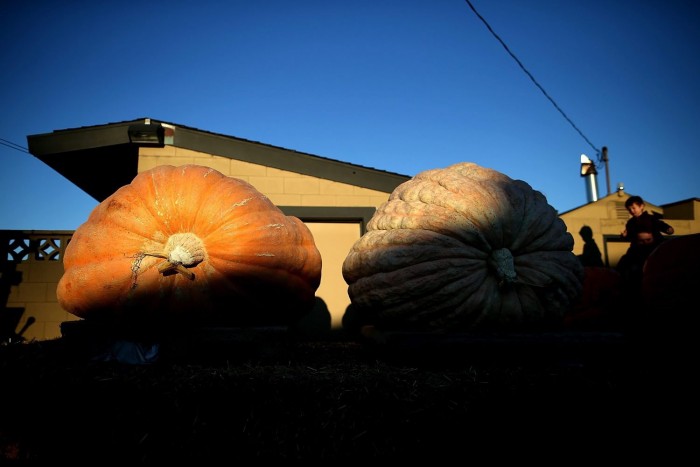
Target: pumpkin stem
<point>166,267</point>
<point>182,251</point>
<point>501,263</point>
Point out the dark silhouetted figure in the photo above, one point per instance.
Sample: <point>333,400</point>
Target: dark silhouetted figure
<point>315,323</point>
<point>591,253</point>
<point>631,269</point>
<point>631,264</point>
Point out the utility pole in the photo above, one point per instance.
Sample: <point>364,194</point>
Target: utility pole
<point>607,170</point>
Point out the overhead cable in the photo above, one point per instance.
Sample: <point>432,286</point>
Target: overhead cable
<point>12,145</point>
<point>532,78</point>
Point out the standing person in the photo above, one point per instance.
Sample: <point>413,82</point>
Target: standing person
<point>631,270</point>
<point>591,253</point>
<point>642,221</point>
<point>632,262</point>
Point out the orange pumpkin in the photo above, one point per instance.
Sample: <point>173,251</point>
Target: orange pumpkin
<point>671,280</point>
<point>600,301</point>
<point>189,242</point>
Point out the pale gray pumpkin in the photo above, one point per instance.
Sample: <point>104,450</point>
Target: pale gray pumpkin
<point>464,247</point>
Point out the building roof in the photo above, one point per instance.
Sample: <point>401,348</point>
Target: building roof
<point>619,196</point>
<point>109,149</point>
<point>683,201</point>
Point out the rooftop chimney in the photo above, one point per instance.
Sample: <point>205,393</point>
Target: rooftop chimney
<point>620,189</point>
<point>589,172</point>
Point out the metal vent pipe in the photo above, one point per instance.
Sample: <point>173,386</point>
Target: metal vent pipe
<point>589,174</point>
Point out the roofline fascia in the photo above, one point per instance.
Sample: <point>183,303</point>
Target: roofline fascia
<point>113,134</point>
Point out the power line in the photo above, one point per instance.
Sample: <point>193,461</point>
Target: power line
<point>597,151</point>
<point>14,146</point>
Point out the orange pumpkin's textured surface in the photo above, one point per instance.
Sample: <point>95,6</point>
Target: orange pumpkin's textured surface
<point>464,247</point>
<point>601,300</point>
<point>189,242</point>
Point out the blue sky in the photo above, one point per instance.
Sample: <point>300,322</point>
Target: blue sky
<point>398,85</point>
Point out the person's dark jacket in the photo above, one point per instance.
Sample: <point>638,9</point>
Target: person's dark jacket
<point>646,223</point>
<point>631,265</point>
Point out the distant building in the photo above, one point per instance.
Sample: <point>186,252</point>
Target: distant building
<point>607,217</point>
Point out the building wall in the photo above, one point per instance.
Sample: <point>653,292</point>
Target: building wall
<point>687,210</point>
<point>282,187</point>
<point>32,264</point>
<point>334,241</point>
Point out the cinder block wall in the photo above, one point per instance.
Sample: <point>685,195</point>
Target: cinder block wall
<point>29,281</point>
<point>282,187</point>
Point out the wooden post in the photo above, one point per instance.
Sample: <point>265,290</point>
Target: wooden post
<point>607,170</point>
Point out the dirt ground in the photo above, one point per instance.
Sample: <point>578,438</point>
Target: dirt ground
<point>223,395</point>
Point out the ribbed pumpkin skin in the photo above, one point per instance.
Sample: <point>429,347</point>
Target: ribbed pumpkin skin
<point>463,248</point>
<point>253,263</point>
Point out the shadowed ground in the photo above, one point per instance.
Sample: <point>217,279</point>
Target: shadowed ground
<point>237,394</point>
